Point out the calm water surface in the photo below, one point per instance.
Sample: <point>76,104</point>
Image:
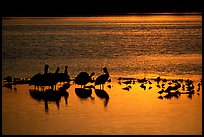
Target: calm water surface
<point>168,46</point>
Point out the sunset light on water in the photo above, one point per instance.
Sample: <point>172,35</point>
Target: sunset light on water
<point>154,64</point>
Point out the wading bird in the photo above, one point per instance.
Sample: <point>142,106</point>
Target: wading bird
<point>101,80</point>
<point>83,78</point>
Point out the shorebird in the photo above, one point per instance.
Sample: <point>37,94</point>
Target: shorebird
<point>144,80</point>
<point>161,91</point>
<point>143,86</point>
<point>83,78</point>
<point>198,87</point>
<point>127,82</point>
<point>46,79</point>
<point>101,80</point>
<point>63,77</point>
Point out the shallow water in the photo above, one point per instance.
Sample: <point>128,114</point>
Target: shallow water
<point>168,46</point>
<point>136,111</point>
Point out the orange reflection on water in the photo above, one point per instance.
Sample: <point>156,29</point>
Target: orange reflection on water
<point>137,18</point>
<point>137,111</point>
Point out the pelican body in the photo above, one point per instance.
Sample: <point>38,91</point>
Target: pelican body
<point>83,78</point>
<point>101,80</point>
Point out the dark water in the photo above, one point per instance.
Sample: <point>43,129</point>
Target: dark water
<point>168,46</point>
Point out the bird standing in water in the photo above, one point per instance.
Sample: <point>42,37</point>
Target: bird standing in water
<point>83,78</point>
<point>63,77</point>
<point>101,80</point>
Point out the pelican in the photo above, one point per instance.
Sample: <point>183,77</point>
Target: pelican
<point>63,77</point>
<point>101,80</point>
<point>46,79</point>
<point>83,78</point>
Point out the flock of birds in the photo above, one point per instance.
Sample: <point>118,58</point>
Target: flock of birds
<point>83,78</point>
<point>171,87</point>
<point>167,88</point>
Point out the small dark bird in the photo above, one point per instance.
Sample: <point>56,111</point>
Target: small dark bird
<point>163,85</point>
<point>8,79</point>
<point>158,79</point>
<point>158,86</point>
<point>143,86</point>
<point>126,88</point>
<point>183,87</point>
<point>150,82</point>
<point>144,80</point>
<point>198,87</point>
<point>101,80</point>
<point>109,80</point>
<point>164,80</point>
<point>161,91</point>
<point>83,78</point>
<point>127,82</point>
<point>109,86</point>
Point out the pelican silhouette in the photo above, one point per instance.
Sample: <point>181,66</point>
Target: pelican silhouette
<point>46,79</point>
<point>83,78</point>
<point>63,77</point>
<point>101,80</point>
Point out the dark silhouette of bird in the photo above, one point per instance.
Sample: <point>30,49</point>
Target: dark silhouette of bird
<point>163,85</point>
<point>109,80</point>
<point>164,80</point>
<point>127,88</point>
<point>8,79</point>
<point>183,87</point>
<point>144,80</point>
<point>83,78</point>
<point>143,86</point>
<point>48,79</point>
<point>158,79</point>
<point>160,97</point>
<point>46,69</point>
<point>8,82</point>
<point>127,82</point>
<point>101,80</point>
<point>150,82</point>
<point>198,87</point>
<point>158,86</point>
<point>45,79</point>
<point>63,77</point>
<point>109,86</point>
<point>36,80</point>
<point>161,91</point>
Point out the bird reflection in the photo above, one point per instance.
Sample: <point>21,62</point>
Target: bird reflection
<point>83,93</point>
<point>103,95</point>
<point>50,95</point>
<point>47,96</point>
